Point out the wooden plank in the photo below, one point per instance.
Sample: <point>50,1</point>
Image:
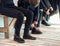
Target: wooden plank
<point>5,21</point>
<point>6,27</point>
<point>12,23</point>
<point>1,29</point>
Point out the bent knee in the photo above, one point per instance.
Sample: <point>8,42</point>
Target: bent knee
<point>20,15</point>
<point>31,14</point>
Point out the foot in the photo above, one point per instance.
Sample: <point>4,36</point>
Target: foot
<point>33,24</point>
<point>18,39</point>
<point>29,37</point>
<point>45,23</point>
<point>35,31</point>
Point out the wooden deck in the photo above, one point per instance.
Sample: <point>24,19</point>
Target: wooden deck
<point>39,42</point>
<point>50,37</point>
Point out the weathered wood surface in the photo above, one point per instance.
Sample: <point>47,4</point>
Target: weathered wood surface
<point>50,37</point>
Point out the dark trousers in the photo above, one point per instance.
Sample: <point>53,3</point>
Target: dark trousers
<point>59,10</point>
<point>39,19</point>
<point>59,6</point>
<point>36,10</point>
<point>19,13</point>
<point>37,16</point>
<point>54,5</point>
<point>58,2</point>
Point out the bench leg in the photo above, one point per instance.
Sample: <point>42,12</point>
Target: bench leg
<point>6,27</point>
<point>6,34</point>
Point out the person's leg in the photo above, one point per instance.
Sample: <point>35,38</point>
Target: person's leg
<point>39,19</point>
<point>29,18</point>
<point>59,6</point>
<point>11,12</point>
<point>37,31</point>
<point>59,10</point>
<point>45,20</point>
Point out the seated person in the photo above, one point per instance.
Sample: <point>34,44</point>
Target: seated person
<point>8,8</point>
<point>30,5</point>
<point>46,6</point>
